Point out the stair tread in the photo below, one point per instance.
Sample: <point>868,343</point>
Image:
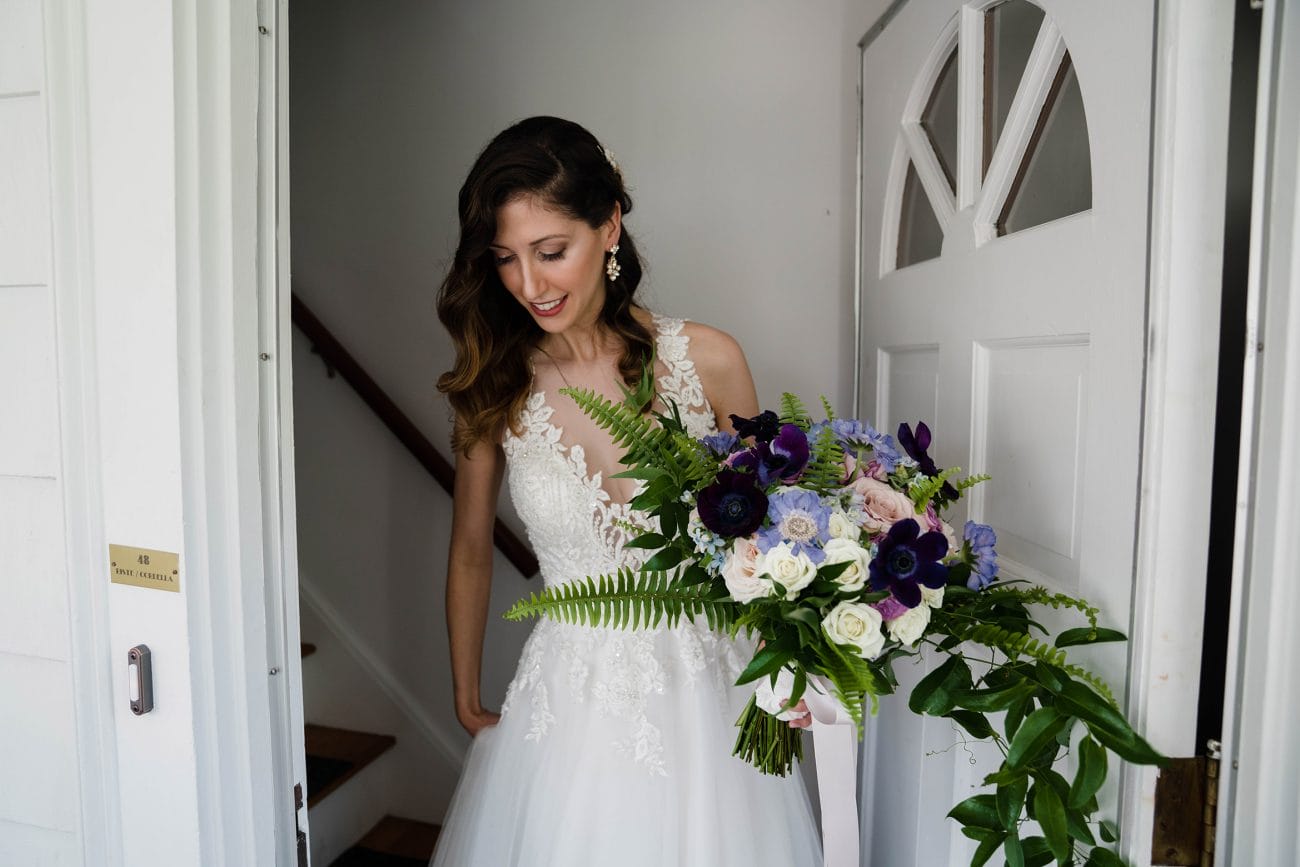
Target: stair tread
<point>393,842</point>
<point>343,752</point>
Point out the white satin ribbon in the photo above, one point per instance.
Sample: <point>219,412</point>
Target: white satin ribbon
<point>836,744</point>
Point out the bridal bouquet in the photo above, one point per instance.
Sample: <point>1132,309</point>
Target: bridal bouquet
<point>828,540</point>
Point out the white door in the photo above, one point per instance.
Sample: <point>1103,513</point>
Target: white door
<point>1004,188</point>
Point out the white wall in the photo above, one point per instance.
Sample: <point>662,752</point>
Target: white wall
<point>735,126</point>
<point>39,800</point>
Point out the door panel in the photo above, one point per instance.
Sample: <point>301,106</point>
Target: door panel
<point>1021,347</point>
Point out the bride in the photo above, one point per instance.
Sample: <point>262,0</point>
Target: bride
<point>612,746</point>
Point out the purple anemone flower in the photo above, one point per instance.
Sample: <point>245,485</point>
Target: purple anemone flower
<point>983,559</point>
<point>908,558</point>
<point>799,518</point>
<point>762,427</point>
<point>782,459</point>
<point>733,505</point>
<point>917,446</point>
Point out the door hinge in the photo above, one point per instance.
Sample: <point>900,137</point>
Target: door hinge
<point>1187,797</point>
<point>302,836</point>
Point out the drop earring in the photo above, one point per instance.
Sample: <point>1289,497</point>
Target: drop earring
<point>612,268</point>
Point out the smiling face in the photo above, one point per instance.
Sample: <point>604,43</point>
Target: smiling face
<point>552,264</point>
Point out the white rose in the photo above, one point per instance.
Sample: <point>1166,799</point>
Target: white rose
<point>909,627</point>
<point>932,598</point>
<point>854,577</point>
<point>744,582</point>
<point>792,571</point>
<point>842,527</point>
<point>857,624</point>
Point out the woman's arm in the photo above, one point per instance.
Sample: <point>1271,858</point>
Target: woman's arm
<point>724,374</point>
<point>469,576</point>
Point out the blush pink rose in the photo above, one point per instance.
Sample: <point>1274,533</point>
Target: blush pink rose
<point>883,505</point>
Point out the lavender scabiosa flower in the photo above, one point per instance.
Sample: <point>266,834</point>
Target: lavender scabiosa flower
<point>855,434</point>
<point>733,505</point>
<point>800,519</point>
<point>908,559</point>
<point>983,559</point>
<point>721,444</point>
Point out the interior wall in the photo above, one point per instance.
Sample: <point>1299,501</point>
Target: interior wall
<point>735,125</point>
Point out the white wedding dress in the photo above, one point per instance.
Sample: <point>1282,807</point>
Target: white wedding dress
<point>614,746</point>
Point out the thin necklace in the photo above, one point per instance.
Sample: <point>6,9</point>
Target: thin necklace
<point>557,367</point>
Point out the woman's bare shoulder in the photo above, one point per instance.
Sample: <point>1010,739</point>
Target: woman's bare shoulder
<point>712,349</point>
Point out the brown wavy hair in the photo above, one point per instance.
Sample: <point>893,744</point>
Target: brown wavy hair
<point>563,165</point>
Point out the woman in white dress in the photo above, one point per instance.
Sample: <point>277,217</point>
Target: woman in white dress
<point>612,747</point>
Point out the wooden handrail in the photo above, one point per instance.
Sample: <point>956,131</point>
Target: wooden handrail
<point>339,359</point>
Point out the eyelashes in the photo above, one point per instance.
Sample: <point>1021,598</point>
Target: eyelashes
<point>545,257</point>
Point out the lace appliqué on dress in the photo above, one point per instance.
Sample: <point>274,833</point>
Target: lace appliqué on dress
<point>575,531</point>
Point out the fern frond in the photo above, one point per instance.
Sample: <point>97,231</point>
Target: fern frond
<point>1014,644</point>
<point>826,407</point>
<point>1092,680</point>
<point>625,599</point>
<point>639,435</point>
<point>1041,596</point>
<point>826,463</point>
<point>851,679</point>
<point>971,481</point>
<point>922,492</point>
<point>794,412</point>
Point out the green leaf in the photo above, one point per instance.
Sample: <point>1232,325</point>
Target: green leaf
<point>646,540</point>
<point>990,700</point>
<point>664,560</point>
<point>1091,773</point>
<point>1077,824</point>
<point>1037,852</point>
<point>985,850</point>
<point>1087,635</point>
<point>648,474</point>
<point>1103,858</point>
<point>979,810</point>
<point>770,658</point>
<point>1050,813</point>
<point>975,723</point>
<point>935,693</point>
<point>1016,715</point>
<point>1037,731</point>
<point>1014,851</point>
<point>1011,801</point>
<point>1109,833</point>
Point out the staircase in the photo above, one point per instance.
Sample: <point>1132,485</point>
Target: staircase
<point>334,757</point>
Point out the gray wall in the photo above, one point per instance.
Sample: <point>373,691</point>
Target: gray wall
<point>734,124</point>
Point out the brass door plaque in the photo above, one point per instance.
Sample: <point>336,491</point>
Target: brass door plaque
<point>143,567</point>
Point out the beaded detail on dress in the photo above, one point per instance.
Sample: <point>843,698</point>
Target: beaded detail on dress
<point>575,528</point>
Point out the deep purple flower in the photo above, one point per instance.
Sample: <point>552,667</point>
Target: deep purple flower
<point>908,558</point>
<point>787,454</point>
<point>799,518</point>
<point>733,505</point>
<point>983,559</point>
<point>720,444</point>
<point>762,427</point>
<point>917,447</point>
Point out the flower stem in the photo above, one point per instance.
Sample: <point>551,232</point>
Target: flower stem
<point>766,742</point>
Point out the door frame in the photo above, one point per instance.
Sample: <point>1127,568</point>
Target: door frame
<point>1191,77</point>
<point>1259,802</point>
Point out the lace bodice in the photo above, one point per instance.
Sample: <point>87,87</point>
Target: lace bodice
<point>575,516</point>
<point>561,486</point>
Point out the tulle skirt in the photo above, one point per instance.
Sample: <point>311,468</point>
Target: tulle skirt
<point>614,748</point>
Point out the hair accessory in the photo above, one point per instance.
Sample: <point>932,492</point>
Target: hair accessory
<point>609,157</point>
<point>612,268</point>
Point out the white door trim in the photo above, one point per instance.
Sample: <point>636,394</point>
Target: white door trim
<point>93,666</point>
<point>1188,182</point>
<point>1259,800</point>
<point>216,51</point>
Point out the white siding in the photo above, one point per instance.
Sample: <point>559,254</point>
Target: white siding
<point>39,798</point>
